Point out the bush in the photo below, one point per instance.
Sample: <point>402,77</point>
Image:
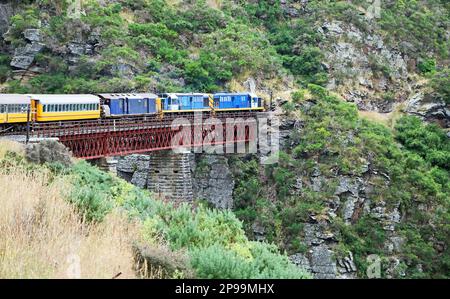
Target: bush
<point>427,66</point>
<point>440,82</point>
<point>160,260</point>
<point>298,96</point>
<point>216,262</point>
<point>186,228</point>
<point>429,141</point>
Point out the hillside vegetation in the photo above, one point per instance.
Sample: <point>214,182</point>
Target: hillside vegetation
<point>83,216</point>
<point>121,45</point>
<point>357,183</point>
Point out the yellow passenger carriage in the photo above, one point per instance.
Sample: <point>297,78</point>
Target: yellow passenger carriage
<point>66,107</point>
<point>14,108</point>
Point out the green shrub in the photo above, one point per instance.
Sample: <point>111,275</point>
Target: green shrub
<point>440,82</point>
<point>187,228</point>
<point>298,96</point>
<point>429,141</point>
<point>427,66</point>
<point>266,262</point>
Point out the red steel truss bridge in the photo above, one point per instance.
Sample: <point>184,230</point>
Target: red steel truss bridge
<point>91,139</point>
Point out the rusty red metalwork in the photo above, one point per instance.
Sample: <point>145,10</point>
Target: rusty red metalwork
<point>90,139</point>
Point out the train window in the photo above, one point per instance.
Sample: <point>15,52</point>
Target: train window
<point>2,109</point>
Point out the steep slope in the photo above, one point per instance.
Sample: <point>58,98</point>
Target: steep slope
<point>347,193</point>
<point>372,53</point>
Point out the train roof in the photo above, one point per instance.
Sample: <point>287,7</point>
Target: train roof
<point>253,95</point>
<point>65,99</point>
<point>128,95</point>
<point>14,99</point>
<point>175,95</point>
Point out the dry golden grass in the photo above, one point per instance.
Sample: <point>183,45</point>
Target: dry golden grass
<point>387,119</point>
<point>42,236</point>
<point>8,145</point>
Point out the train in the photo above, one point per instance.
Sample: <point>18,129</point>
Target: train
<point>16,110</point>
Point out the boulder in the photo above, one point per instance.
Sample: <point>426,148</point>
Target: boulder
<point>32,35</point>
<point>428,108</point>
<point>48,151</point>
<point>24,56</point>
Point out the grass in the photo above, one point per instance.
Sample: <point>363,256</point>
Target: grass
<point>8,145</point>
<point>42,236</point>
<point>386,119</point>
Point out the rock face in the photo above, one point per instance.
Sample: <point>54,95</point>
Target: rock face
<point>363,68</point>
<point>213,181</point>
<point>181,177</point>
<point>6,12</point>
<point>24,56</point>
<point>428,109</point>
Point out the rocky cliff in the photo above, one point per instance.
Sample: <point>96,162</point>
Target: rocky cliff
<point>380,56</point>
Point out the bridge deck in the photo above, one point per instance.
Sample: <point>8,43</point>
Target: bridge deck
<point>91,139</point>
